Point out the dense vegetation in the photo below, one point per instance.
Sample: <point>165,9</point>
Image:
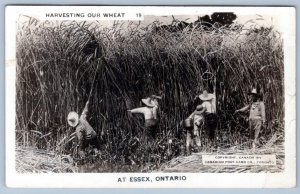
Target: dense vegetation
<point>58,63</point>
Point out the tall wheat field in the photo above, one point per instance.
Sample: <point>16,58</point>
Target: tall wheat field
<point>56,70</point>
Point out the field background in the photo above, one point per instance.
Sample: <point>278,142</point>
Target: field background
<point>59,62</point>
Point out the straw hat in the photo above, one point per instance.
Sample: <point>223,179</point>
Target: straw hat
<point>199,108</point>
<point>206,96</point>
<point>149,102</point>
<point>73,119</point>
<point>253,92</point>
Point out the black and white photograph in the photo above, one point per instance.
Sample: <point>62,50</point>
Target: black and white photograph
<point>163,91</point>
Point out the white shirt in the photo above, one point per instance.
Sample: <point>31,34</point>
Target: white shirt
<point>149,113</point>
<point>209,107</point>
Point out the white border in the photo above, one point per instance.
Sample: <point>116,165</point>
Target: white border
<point>286,179</point>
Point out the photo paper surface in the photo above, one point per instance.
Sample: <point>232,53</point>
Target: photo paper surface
<point>150,97</point>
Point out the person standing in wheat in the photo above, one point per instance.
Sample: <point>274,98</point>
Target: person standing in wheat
<point>210,116</point>
<point>86,135</point>
<point>257,116</point>
<point>150,112</point>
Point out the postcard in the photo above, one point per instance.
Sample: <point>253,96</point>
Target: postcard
<point>150,97</point>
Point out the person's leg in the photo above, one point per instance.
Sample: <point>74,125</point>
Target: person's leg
<point>95,143</point>
<point>151,127</point>
<point>153,131</point>
<point>211,126</point>
<point>257,128</point>
<point>195,129</point>
<point>82,148</point>
<point>197,135</point>
<point>214,125</point>
<point>251,131</point>
<point>188,142</point>
<point>151,135</point>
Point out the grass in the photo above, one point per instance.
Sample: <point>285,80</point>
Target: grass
<point>194,163</point>
<point>30,160</point>
<point>56,73</point>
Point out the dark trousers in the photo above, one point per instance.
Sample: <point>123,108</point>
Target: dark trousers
<point>94,142</point>
<point>211,125</point>
<point>151,126</point>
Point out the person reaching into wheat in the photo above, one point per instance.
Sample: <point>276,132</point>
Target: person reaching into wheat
<point>150,112</point>
<point>210,116</point>
<point>86,135</point>
<point>257,116</point>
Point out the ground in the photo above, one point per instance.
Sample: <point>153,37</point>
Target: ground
<point>30,160</point>
<point>193,163</point>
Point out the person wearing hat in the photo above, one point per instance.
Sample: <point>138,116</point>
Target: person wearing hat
<point>209,101</point>
<point>210,116</point>
<point>194,134</point>
<point>150,112</point>
<point>85,133</point>
<point>257,116</point>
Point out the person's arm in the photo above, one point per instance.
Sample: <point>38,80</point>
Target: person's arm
<point>263,112</point>
<point>204,106</point>
<point>213,103</point>
<point>79,137</point>
<point>155,96</point>
<point>243,109</point>
<point>155,112</point>
<point>138,110</point>
<point>192,115</point>
<point>85,110</point>
<point>204,109</point>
